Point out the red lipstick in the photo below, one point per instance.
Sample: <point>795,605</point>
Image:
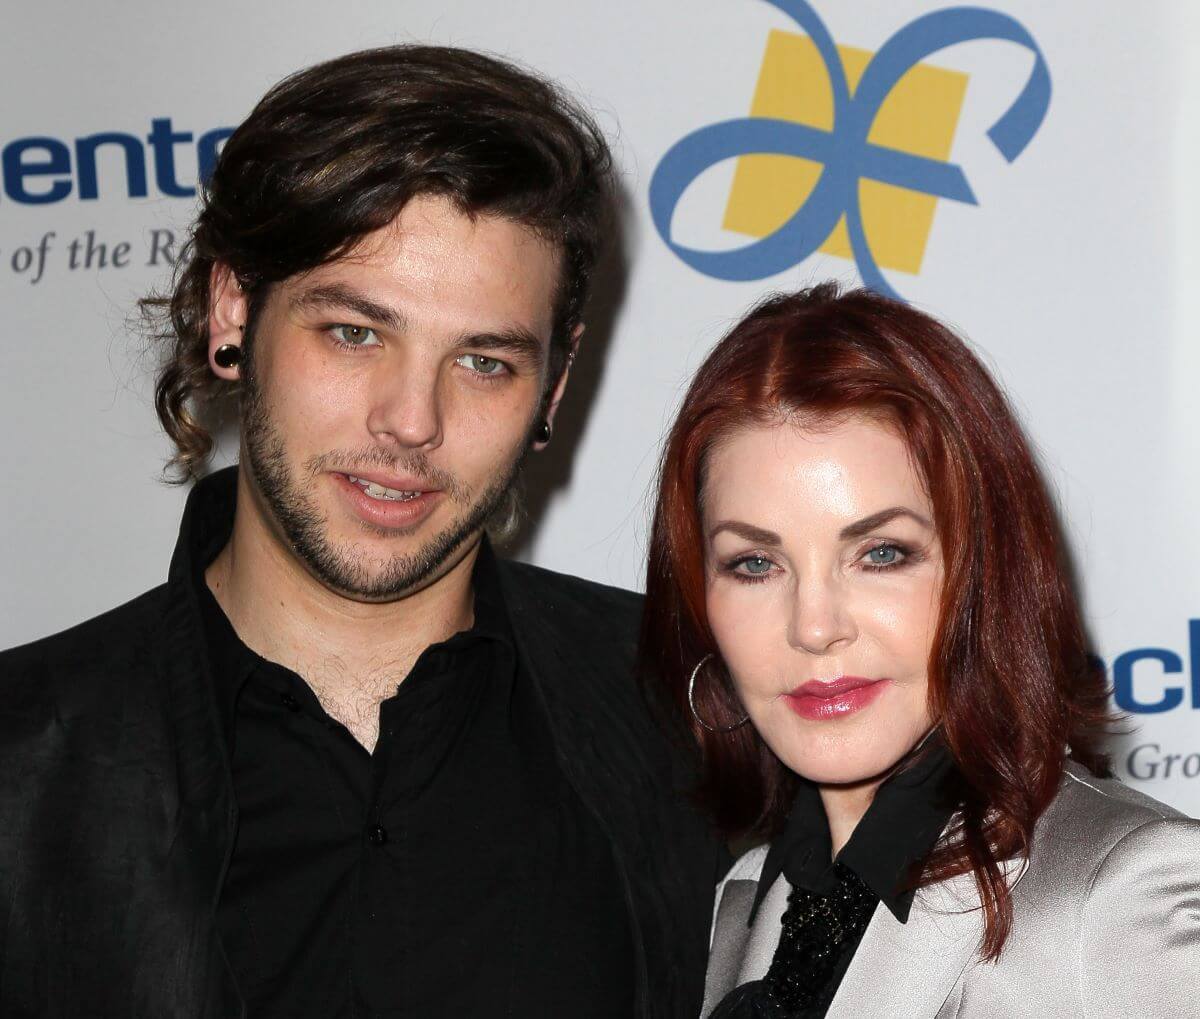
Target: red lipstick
<point>821,701</point>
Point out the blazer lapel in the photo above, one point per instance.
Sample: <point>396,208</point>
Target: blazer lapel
<point>764,933</point>
<point>731,929</point>
<point>910,969</point>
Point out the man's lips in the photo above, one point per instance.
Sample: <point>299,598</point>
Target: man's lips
<point>378,503</point>
<point>837,698</point>
<point>395,482</point>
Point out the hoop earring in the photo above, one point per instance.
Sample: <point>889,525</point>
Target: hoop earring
<point>692,702</point>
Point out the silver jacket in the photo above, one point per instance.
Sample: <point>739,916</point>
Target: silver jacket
<point>1106,922</point>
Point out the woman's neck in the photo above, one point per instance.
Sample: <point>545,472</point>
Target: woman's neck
<point>845,806</point>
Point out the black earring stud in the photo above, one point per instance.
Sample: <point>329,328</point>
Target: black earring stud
<point>543,431</point>
<point>228,355</point>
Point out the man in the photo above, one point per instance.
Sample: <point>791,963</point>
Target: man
<point>346,762</point>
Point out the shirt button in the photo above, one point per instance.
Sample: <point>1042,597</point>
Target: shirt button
<point>377,835</point>
<point>290,702</point>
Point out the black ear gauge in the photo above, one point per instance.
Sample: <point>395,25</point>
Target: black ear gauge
<point>544,431</point>
<point>228,355</point>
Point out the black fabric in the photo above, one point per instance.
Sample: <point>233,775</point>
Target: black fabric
<point>818,930</point>
<point>450,872</point>
<point>116,792</point>
<point>819,933</point>
<point>832,899</point>
<point>899,829</point>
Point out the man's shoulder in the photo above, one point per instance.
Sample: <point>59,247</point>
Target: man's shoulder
<point>579,638</point>
<point>535,588</point>
<point>112,643</point>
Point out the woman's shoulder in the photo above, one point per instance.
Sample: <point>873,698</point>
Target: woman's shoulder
<point>1101,812</point>
<point>1109,891</point>
<point>1098,830</point>
<point>1113,795</point>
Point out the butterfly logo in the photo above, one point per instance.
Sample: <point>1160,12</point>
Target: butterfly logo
<point>848,155</point>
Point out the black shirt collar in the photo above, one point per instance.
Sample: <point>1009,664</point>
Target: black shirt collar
<point>904,821</point>
<point>208,524</point>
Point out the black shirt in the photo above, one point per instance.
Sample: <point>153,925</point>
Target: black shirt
<point>452,872</point>
<point>897,832</point>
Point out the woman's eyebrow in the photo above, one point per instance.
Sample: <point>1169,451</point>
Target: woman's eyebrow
<point>863,527</point>
<point>747,531</point>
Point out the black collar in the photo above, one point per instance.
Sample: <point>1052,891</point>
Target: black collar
<point>909,812</point>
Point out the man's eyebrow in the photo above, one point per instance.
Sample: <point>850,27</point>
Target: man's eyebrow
<point>748,531</point>
<point>861,528</point>
<point>339,295</point>
<point>517,342</point>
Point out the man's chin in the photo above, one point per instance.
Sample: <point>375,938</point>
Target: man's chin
<point>376,567</point>
<point>378,590</point>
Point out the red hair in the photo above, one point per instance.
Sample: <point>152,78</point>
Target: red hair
<point>1011,681</point>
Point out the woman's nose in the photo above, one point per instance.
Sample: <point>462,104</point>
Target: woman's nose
<point>821,621</point>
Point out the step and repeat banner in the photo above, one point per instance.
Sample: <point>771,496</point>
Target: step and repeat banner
<point>1029,176</point>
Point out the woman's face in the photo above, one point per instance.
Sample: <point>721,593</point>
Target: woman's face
<point>823,577</point>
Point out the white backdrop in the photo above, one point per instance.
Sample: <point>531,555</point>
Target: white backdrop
<point>1073,274</point>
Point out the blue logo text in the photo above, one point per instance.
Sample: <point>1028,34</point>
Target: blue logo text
<point>40,170</point>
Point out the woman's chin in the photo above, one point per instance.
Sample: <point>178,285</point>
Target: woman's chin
<point>845,754</point>
<point>840,776</point>
<point>843,769</point>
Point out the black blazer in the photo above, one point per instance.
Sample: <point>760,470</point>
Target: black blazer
<point>117,812</point>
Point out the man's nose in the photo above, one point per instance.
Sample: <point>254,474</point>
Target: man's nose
<point>406,405</point>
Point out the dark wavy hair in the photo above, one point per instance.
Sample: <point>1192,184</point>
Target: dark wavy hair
<point>335,152</point>
<point>1011,681</point>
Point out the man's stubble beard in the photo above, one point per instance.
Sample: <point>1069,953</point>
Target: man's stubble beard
<point>305,526</point>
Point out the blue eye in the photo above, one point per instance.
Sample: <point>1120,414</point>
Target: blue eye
<point>481,364</point>
<point>355,336</point>
<point>756,566</point>
<point>884,555</point>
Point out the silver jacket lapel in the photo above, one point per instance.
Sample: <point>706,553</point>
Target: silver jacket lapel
<point>740,953</point>
<point>911,969</point>
<point>731,930</point>
<point>764,934</point>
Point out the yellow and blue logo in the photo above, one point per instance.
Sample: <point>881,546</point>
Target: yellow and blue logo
<point>846,151</point>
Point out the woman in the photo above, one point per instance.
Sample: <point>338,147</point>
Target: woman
<point>858,600</point>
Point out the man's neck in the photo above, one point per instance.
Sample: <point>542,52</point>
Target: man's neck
<point>352,653</point>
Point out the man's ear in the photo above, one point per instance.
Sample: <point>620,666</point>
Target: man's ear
<point>226,322</point>
<point>560,386</point>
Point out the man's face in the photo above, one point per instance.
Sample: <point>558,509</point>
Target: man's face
<point>392,395</point>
